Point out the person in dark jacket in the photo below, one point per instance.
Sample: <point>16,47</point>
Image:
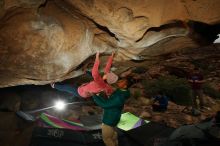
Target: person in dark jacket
<point>196,80</point>
<point>160,102</point>
<point>113,107</point>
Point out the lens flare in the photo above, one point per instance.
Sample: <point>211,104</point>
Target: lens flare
<point>60,105</point>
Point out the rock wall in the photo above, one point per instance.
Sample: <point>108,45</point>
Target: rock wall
<point>47,41</point>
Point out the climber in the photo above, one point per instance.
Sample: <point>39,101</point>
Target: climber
<point>98,84</point>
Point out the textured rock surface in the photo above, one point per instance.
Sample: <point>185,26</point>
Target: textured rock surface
<point>46,41</point>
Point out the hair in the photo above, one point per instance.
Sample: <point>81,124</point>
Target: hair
<point>129,81</point>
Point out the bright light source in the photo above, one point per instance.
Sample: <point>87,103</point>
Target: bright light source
<point>217,40</point>
<point>60,105</point>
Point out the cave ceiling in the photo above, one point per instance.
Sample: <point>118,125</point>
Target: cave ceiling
<point>46,41</point>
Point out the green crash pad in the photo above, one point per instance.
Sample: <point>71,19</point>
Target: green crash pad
<point>129,121</point>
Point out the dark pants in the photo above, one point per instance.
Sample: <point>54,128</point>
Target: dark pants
<point>72,89</point>
<point>158,108</point>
